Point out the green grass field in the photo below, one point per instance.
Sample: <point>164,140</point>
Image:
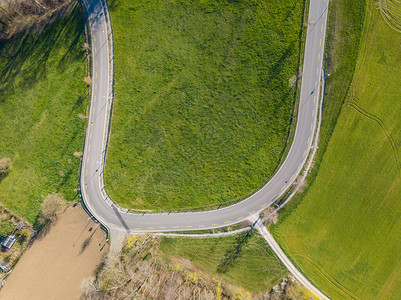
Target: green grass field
<point>245,260</point>
<point>391,12</point>
<point>41,93</point>
<point>203,99</point>
<point>345,235</point>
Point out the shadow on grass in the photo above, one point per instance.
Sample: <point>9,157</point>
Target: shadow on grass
<point>27,54</point>
<point>234,252</point>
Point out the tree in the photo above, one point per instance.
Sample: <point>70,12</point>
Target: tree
<point>5,165</point>
<point>6,228</point>
<point>51,206</point>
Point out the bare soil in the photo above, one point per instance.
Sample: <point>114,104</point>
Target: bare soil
<point>63,255</point>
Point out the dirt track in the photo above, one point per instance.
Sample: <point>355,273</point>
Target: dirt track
<point>54,266</point>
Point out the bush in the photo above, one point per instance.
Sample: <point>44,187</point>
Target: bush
<point>51,206</point>
<point>6,228</point>
<point>5,165</point>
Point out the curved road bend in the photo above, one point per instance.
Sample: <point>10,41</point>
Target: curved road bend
<point>92,187</point>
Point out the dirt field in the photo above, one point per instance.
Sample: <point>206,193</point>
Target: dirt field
<point>54,266</point>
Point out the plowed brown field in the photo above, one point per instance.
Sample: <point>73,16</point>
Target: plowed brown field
<point>59,259</point>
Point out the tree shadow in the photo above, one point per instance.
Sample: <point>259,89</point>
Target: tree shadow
<point>88,240</point>
<point>234,252</point>
<point>113,4</point>
<point>3,175</point>
<point>27,54</point>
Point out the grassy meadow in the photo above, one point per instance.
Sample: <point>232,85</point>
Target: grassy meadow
<point>41,93</point>
<point>345,235</point>
<point>245,260</point>
<point>204,92</point>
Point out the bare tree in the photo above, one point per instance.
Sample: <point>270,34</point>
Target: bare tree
<point>5,165</point>
<point>51,206</point>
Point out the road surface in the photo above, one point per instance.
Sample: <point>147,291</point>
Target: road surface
<point>258,225</point>
<point>92,188</point>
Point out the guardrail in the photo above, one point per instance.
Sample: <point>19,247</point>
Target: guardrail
<point>110,98</point>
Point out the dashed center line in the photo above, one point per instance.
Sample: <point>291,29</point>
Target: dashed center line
<point>283,187</point>
<point>263,205</point>
<point>227,222</point>
<point>251,212</point>
<point>274,196</point>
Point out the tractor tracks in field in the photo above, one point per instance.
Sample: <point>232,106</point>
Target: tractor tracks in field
<point>354,104</point>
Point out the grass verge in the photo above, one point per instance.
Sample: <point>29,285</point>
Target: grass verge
<point>41,93</point>
<point>245,260</point>
<point>203,99</point>
<point>345,234</point>
<point>344,30</point>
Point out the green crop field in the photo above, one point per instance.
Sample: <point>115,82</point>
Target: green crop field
<point>41,93</point>
<point>204,92</point>
<point>345,235</point>
<point>245,260</point>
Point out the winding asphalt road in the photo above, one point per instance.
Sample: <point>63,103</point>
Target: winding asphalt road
<point>92,186</point>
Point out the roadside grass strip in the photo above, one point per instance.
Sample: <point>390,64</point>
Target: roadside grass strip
<point>244,260</point>
<point>346,233</point>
